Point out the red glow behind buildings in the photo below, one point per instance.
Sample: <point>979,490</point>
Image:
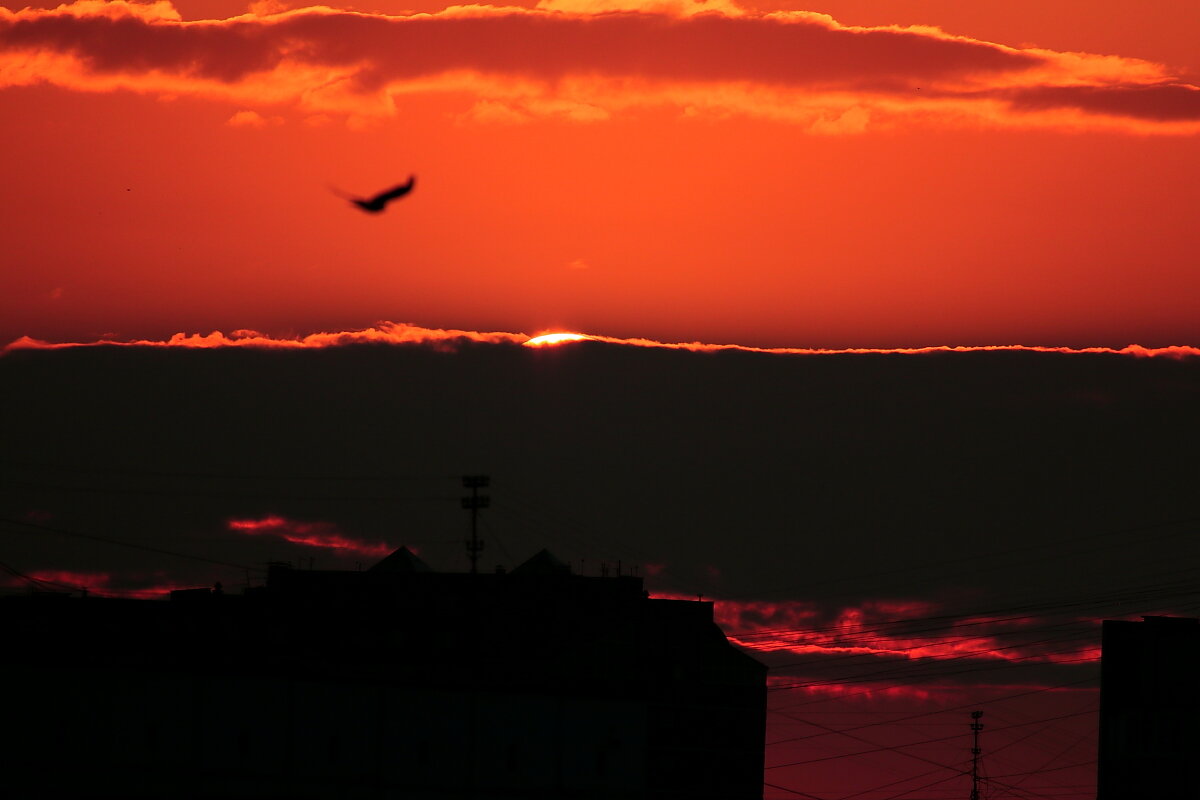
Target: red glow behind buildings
<point>310,534</point>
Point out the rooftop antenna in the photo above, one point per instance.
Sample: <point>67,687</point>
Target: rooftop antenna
<point>473,504</point>
<point>976,727</point>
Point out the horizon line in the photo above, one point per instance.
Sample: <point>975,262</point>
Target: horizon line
<point>409,334</point>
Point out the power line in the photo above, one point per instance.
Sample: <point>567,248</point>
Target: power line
<point>256,494</point>
<point>917,788</point>
<point>1160,592</point>
<point>118,470</point>
<point>923,714</point>
<point>991,556</point>
<point>796,792</point>
<point>932,668</point>
<point>1041,771</point>
<point>882,748</point>
<point>1055,603</point>
<point>120,543</point>
<point>37,583</point>
<point>902,780</point>
<point>827,661</point>
<point>1045,765</point>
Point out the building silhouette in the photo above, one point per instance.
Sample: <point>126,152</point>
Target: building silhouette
<point>1149,697</point>
<point>396,681</point>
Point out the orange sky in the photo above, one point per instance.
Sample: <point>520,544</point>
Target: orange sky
<point>1026,174</point>
<point>1006,172</point>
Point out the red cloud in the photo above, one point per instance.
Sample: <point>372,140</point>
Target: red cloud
<point>1174,351</point>
<point>309,534</point>
<point>384,333</point>
<point>779,48</point>
<point>65,580</point>
<point>800,66</point>
<point>103,584</point>
<point>1163,101</point>
<point>894,629</point>
<point>862,691</point>
<point>404,334</point>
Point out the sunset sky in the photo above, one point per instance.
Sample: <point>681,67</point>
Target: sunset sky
<point>829,174</point>
<point>981,204</point>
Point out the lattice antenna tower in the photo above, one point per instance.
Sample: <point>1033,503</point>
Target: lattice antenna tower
<point>473,503</point>
<point>976,727</point>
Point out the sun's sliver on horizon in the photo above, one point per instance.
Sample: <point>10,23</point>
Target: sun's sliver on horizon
<point>392,333</point>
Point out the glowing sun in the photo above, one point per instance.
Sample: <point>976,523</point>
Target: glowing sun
<point>555,338</point>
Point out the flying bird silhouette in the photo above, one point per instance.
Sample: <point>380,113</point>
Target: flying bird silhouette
<point>373,205</point>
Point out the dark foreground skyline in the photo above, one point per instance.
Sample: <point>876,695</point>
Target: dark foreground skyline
<point>395,681</point>
<point>902,538</point>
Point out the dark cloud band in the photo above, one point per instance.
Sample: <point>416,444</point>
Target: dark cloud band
<point>796,52</point>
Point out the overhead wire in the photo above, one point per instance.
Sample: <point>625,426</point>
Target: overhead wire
<point>255,494</point>
<point>989,557</point>
<point>890,784</point>
<point>899,749</point>
<point>756,633</point>
<point>971,705</point>
<point>1058,602</point>
<point>881,748</point>
<point>934,668</point>
<point>37,583</point>
<point>1068,624</point>
<point>1157,593</point>
<point>1045,766</point>
<point>121,543</point>
<point>125,470</point>
<point>836,660</point>
<point>907,792</point>
<point>795,792</point>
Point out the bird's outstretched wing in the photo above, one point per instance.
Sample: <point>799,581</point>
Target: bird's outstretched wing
<point>377,203</point>
<point>396,191</point>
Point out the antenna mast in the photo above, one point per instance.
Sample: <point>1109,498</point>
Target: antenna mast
<point>976,727</point>
<point>474,503</point>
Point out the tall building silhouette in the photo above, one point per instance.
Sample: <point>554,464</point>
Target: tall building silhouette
<point>396,681</point>
<point>1149,698</point>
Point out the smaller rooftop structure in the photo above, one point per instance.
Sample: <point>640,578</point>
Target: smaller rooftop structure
<point>542,563</point>
<point>401,560</point>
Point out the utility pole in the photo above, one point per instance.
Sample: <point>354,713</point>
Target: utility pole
<point>474,503</point>
<point>976,727</point>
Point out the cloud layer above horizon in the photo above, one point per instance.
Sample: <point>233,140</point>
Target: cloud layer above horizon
<point>399,333</point>
<point>589,61</point>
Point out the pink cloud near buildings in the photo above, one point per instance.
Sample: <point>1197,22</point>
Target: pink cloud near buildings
<point>322,535</point>
<point>100,584</point>
<point>908,630</point>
